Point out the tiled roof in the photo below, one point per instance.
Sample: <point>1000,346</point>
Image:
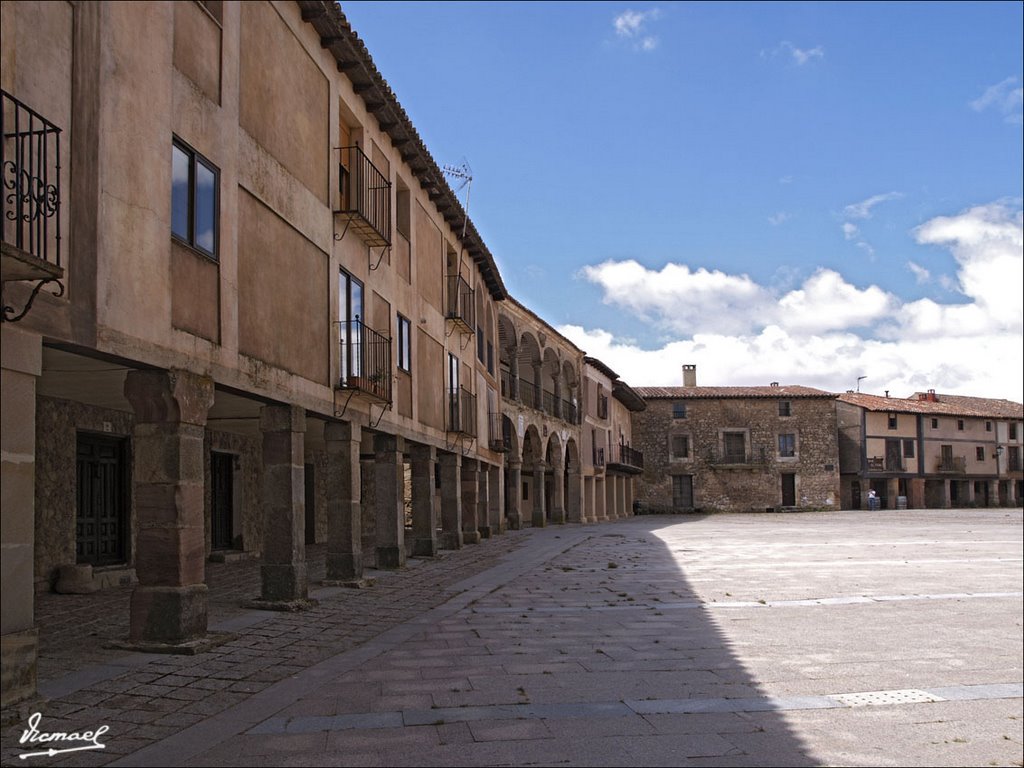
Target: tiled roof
<point>337,35</point>
<point>943,405</point>
<point>717,393</point>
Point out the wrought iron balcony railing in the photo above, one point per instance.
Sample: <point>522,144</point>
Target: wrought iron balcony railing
<point>631,457</point>
<point>748,458</point>
<point>460,306</point>
<point>528,393</point>
<point>550,401</point>
<point>570,412</point>
<point>598,457</point>
<point>365,197</point>
<point>365,360</point>
<point>886,464</point>
<point>952,464</point>
<point>462,412</point>
<point>507,391</point>
<point>30,163</point>
<point>498,436</point>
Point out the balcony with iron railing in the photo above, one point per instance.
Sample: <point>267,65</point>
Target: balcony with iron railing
<point>459,306</point>
<point>365,361</point>
<point>954,465</point>
<point>598,457</point>
<point>30,200</point>
<point>628,460</point>
<point>886,464</point>
<point>461,413</point>
<point>528,393</point>
<point>499,437</point>
<point>506,379</point>
<point>365,197</point>
<point>739,459</point>
<point>570,412</point>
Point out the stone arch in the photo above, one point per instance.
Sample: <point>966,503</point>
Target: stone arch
<point>532,498</point>
<point>529,358</point>
<point>554,479</point>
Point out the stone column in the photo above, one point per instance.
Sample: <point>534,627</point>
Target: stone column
<point>283,572</point>
<point>483,501</point>
<point>574,497</point>
<point>993,493</point>
<point>589,515</point>
<point>390,484</point>
<point>513,374</point>
<point>22,362</point>
<point>892,490</point>
<point>558,491</point>
<point>608,511</point>
<point>368,505</point>
<point>496,499</point>
<point>538,386</point>
<point>557,389</point>
<point>424,512</point>
<point>168,607</point>
<point>540,517</point>
<point>515,494</point>
<point>451,500</point>
<point>470,526</point>
<point>1011,493</point>
<point>630,490</point>
<point>969,485</point>
<point>947,497</point>
<point>344,545</point>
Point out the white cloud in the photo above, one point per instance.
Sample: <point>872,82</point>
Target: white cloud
<point>1006,97</point>
<point>827,332</point>
<point>862,210</point>
<point>921,274</point>
<point>779,218</point>
<point>785,180</point>
<point>633,25</point>
<point>849,230</point>
<point>800,55</point>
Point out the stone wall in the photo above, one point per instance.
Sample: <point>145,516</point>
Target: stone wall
<point>752,486</point>
<point>57,425</point>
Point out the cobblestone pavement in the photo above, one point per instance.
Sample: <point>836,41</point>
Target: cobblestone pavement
<point>813,639</point>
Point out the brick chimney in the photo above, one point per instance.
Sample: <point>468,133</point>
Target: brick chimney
<point>689,375</point>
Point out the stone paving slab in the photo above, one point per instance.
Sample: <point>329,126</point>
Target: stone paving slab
<point>720,640</point>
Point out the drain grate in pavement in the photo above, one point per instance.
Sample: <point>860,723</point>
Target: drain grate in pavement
<point>875,698</point>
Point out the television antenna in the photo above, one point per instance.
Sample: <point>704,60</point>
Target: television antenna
<point>859,380</point>
<point>464,173</point>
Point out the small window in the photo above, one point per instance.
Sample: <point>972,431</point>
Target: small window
<point>935,423</point>
<point>490,358</point>
<point>785,408</point>
<point>960,425</point>
<point>735,446</point>
<point>678,410</point>
<point>893,420</point>
<point>404,346</point>
<point>479,343</point>
<point>979,453</point>
<point>1013,431</point>
<point>988,426</point>
<point>787,446</point>
<point>908,449</point>
<point>194,199</point>
<point>680,446</point>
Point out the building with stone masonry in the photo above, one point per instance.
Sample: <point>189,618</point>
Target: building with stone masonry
<point>611,465</point>
<point>736,448</point>
<point>241,306</point>
<point>930,450</point>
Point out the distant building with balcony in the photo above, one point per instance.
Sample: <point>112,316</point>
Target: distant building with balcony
<point>539,424</point>
<point>736,449</point>
<point>611,464</point>
<point>930,450</point>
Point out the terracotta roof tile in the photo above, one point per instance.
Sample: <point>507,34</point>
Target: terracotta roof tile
<point>678,393</point>
<point>943,405</point>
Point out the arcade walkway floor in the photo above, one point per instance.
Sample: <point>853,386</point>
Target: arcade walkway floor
<point>843,638</point>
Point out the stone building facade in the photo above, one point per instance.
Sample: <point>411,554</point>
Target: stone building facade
<point>242,306</point>
<point>930,450</point>
<point>611,464</point>
<point>736,449</point>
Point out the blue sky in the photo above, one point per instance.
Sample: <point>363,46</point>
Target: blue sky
<point>803,193</point>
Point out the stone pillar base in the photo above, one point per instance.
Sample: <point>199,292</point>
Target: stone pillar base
<point>19,652</point>
<point>424,548</point>
<point>74,580</point>
<point>484,531</point>
<point>451,540</point>
<point>390,557</point>
<point>344,567</point>
<point>360,583</point>
<point>471,537</point>
<point>284,583</point>
<point>168,615</point>
<point>539,520</point>
<point>514,523</point>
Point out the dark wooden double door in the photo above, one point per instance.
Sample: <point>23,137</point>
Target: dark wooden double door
<point>102,477</point>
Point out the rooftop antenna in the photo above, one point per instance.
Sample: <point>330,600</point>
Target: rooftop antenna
<point>858,381</point>
<point>465,173</point>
